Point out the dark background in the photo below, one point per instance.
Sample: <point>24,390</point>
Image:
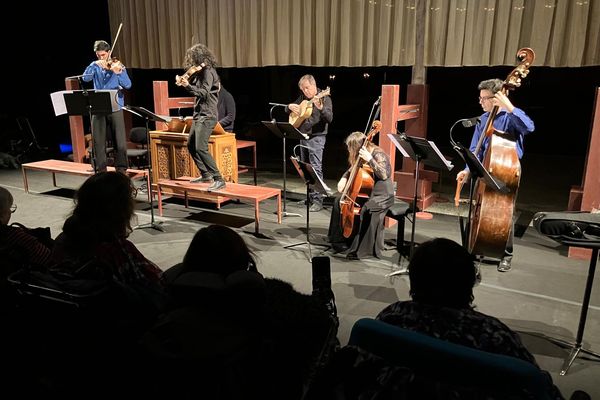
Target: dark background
<point>559,100</point>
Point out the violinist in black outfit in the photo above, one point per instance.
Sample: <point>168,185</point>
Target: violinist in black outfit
<point>204,84</point>
<point>367,236</point>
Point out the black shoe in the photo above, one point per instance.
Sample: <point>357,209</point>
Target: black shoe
<point>504,265</point>
<point>352,256</point>
<point>202,179</point>
<point>316,207</point>
<point>216,185</point>
<point>339,247</point>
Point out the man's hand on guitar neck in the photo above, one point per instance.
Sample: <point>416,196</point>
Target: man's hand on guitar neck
<point>318,103</point>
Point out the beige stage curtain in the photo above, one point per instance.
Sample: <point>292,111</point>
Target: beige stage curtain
<point>252,33</point>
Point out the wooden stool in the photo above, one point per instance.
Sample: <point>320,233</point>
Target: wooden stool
<point>242,144</point>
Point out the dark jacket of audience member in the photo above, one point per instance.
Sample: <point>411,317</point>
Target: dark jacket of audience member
<point>249,337</point>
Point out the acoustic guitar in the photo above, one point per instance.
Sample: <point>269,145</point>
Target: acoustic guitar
<point>306,108</point>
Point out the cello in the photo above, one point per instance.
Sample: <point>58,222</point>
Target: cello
<point>359,184</point>
<point>492,218</point>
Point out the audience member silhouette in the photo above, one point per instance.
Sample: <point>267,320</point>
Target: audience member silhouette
<point>442,276</point>
<point>249,336</point>
<point>20,246</point>
<point>97,231</point>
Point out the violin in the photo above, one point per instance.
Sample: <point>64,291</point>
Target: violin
<point>188,74</point>
<point>113,62</point>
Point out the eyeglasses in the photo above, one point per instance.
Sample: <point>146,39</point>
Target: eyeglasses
<point>13,208</point>
<point>485,98</point>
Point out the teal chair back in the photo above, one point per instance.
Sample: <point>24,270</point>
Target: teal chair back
<point>448,362</point>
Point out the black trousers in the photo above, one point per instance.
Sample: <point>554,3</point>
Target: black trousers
<point>100,124</point>
<point>198,147</point>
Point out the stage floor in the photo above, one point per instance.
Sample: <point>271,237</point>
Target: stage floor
<point>540,297</point>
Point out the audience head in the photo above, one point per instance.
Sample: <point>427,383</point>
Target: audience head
<point>218,249</point>
<point>105,202</point>
<point>6,202</point>
<point>442,273</point>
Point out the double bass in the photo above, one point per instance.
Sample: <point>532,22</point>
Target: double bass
<point>492,216</point>
<point>359,184</point>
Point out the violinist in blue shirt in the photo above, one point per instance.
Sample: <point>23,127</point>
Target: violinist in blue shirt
<point>509,119</point>
<point>108,73</point>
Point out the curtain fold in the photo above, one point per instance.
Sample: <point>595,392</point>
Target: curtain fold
<point>254,33</point>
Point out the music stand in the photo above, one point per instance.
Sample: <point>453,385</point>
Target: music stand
<point>285,130</point>
<point>148,116</point>
<point>477,171</point>
<point>310,178</point>
<point>85,102</point>
<point>418,149</point>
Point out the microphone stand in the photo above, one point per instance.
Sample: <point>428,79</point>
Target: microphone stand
<point>152,224</point>
<point>369,121</point>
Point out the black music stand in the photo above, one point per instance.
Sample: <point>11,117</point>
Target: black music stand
<point>477,171</point>
<point>418,149</point>
<point>86,102</point>
<point>148,116</point>
<point>285,130</point>
<point>310,178</point>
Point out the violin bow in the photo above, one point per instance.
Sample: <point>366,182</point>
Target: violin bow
<point>115,41</point>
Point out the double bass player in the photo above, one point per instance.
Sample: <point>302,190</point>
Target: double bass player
<point>512,121</point>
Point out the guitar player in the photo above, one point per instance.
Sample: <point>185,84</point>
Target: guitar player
<point>318,114</point>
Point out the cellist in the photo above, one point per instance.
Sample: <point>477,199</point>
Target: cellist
<point>367,237</point>
<point>509,119</point>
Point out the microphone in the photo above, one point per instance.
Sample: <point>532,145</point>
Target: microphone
<point>278,104</point>
<point>469,122</point>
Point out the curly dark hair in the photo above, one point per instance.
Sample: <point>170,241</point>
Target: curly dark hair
<point>198,54</point>
<point>442,273</point>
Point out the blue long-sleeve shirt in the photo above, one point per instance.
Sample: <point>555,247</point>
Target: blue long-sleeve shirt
<point>516,123</point>
<point>107,79</point>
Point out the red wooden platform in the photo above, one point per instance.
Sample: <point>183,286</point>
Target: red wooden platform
<point>73,168</point>
<point>238,191</point>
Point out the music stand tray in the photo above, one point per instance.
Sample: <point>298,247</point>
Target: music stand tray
<point>310,178</point>
<point>84,102</point>
<point>419,150</point>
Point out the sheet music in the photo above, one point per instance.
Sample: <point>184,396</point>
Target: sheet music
<point>447,163</point>
<point>58,102</point>
<point>422,146</point>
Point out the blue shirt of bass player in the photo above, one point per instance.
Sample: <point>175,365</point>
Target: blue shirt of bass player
<point>115,78</point>
<point>516,123</point>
